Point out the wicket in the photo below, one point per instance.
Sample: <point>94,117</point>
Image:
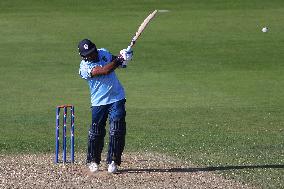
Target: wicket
<point>64,132</point>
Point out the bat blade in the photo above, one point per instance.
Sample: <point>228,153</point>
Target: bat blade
<point>142,28</point>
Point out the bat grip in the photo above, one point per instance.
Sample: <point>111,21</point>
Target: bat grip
<point>128,48</point>
<point>131,45</point>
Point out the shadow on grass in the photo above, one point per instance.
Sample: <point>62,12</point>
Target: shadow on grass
<point>204,169</point>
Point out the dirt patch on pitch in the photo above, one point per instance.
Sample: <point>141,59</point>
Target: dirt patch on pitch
<point>138,170</point>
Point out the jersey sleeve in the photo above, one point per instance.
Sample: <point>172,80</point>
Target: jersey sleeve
<point>108,55</point>
<point>85,71</point>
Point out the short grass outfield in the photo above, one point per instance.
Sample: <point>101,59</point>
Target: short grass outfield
<point>205,84</point>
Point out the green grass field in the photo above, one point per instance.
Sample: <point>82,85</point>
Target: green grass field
<point>205,84</point>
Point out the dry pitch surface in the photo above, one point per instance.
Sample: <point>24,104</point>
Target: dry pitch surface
<point>138,170</point>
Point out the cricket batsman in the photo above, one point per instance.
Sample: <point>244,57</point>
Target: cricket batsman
<point>108,102</point>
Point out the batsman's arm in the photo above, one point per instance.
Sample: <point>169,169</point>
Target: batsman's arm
<point>104,70</point>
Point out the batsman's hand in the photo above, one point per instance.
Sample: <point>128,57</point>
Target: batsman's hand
<point>124,64</point>
<point>126,54</point>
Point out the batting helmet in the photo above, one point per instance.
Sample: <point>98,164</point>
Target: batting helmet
<point>86,47</point>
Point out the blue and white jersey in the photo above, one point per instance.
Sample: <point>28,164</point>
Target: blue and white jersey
<point>104,89</point>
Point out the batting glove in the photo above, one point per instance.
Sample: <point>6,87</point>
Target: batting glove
<point>126,54</point>
<point>124,63</point>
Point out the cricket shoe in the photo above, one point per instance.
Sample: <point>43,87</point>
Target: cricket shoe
<point>94,167</point>
<point>112,168</point>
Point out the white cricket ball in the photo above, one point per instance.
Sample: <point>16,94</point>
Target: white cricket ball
<point>265,29</point>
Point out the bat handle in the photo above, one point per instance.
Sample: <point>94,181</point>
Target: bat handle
<point>131,44</point>
<point>128,48</point>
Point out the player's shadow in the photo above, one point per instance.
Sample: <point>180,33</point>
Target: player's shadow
<point>202,169</point>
